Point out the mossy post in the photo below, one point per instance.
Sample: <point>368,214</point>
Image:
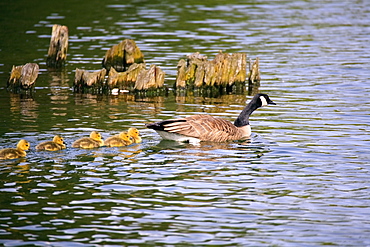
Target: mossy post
<point>122,56</point>
<point>124,81</point>
<point>23,77</point>
<point>86,81</point>
<point>223,72</point>
<point>254,77</point>
<point>153,78</point>
<point>136,78</point>
<point>57,53</point>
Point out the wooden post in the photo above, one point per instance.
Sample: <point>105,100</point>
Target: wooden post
<point>124,80</point>
<point>57,53</point>
<point>181,74</point>
<point>150,79</point>
<point>23,77</point>
<point>224,71</point>
<point>136,78</point>
<point>86,81</point>
<point>122,56</point>
<point>254,72</point>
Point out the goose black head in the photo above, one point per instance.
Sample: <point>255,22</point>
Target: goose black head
<point>264,99</point>
<point>258,100</point>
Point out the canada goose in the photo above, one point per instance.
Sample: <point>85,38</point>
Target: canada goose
<point>123,139</point>
<point>135,134</point>
<point>56,144</point>
<point>94,141</point>
<point>15,153</point>
<point>207,128</point>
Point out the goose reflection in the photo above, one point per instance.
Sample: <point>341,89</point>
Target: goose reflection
<point>230,152</point>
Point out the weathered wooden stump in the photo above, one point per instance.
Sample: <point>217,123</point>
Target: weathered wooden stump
<point>57,53</point>
<point>254,77</point>
<point>121,56</point>
<point>150,79</point>
<point>224,71</point>
<point>86,81</point>
<point>136,78</point>
<point>23,77</point>
<point>124,80</point>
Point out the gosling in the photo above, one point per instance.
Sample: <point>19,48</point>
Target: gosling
<point>123,139</point>
<point>135,134</point>
<point>15,153</point>
<point>56,144</point>
<point>94,141</point>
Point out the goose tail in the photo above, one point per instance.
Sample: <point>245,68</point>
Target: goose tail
<point>162,124</point>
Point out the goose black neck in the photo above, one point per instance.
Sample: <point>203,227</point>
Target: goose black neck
<point>243,118</point>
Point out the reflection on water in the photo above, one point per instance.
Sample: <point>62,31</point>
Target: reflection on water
<point>305,165</point>
<point>88,99</point>
<point>59,93</point>
<point>23,108</point>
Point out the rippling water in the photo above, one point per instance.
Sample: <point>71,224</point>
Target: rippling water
<point>301,180</point>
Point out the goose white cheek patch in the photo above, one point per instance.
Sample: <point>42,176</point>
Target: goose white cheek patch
<point>263,100</point>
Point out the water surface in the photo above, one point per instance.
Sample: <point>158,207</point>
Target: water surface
<point>302,179</point>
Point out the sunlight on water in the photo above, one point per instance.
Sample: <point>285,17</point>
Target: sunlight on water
<point>300,180</point>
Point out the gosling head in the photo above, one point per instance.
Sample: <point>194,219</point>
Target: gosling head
<point>124,135</point>
<point>95,135</point>
<point>23,145</point>
<point>58,139</point>
<point>135,134</point>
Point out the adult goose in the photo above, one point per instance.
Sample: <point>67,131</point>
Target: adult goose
<point>208,128</point>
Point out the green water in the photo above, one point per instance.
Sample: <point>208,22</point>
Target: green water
<point>301,180</point>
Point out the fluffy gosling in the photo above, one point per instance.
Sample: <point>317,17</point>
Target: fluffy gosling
<point>135,134</point>
<point>123,139</point>
<point>56,144</point>
<point>15,153</point>
<point>94,141</point>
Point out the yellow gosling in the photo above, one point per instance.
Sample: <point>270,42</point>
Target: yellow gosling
<point>56,144</point>
<point>15,153</point>
<point>123,139</point>
<point>135,134</point>
<point>94,141</point>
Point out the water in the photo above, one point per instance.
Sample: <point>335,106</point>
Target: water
<point>302,179</point>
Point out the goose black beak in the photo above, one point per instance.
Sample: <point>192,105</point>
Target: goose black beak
<point>271,102</point>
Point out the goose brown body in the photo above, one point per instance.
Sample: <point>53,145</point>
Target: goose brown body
<point>94,141</point>
<point>206,128</point>
<point>209,128</point>
<point>15,153</point>
<point>56,144</point>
